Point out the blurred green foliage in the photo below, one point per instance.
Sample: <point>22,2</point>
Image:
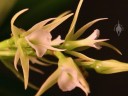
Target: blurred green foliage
<point>38,10</point>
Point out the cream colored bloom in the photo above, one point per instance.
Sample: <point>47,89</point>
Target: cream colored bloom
<point>70,79</point>
<point>90,41</point>
<point>40,40</point>
<point>93,38</point>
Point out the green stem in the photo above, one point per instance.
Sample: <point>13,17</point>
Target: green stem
<point>6,44</point>
<point>88,65</point>
<point>7,53</point>
<point>59,55</point>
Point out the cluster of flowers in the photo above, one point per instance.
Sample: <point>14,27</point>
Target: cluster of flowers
<point>33,44</point>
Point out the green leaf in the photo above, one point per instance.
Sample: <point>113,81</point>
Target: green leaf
<point>85,27</point>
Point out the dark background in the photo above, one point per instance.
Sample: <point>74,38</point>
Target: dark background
<point>100,85</point>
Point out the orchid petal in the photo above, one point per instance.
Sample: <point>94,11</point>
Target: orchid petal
<point>14,28</point>
<point>37,39</point>
<point>74,73</point>
<point>66,80</point>
<point>85,27</point>
<point>61,15</point>
<point>72,27</point>
<point>52,79</point>
<point>25,65</point>
<point>57,41</point>
<point>36,70</point>
<point>39,25</point>
<point>94,35</point>
<point>16,59</point>
<point>35,60</point>
<point>110,46</point>
<point>80,55</point>
<point>53,25</point>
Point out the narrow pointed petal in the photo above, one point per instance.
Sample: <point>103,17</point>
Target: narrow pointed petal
<point>48,61</point>
<point>52,79</point>
<point>80,55</point>
<point>62,15</point>
<point>83,84</point>
<point>72,27</point>
<point>85,27</point>
<point>39,25</point>
<point>96,43</point>
<point>25,65</point>
<point>57,41</point>
<point>16,59</point>
<point>110,46</point>
<point>36,70</point>
<point>51,26</point>
<point>13,28</point>
<point>86,90</point>
<point>35,60</point>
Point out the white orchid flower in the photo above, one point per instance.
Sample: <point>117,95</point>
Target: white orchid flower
<point>69,79</point>
<point>40,36</point>
<point>94,39</point>
<point>90,41</point>
<point>67,75</point>
<point>40,40</point>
